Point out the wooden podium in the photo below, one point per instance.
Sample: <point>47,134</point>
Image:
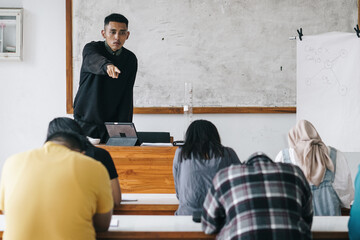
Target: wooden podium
<point>144,169</point>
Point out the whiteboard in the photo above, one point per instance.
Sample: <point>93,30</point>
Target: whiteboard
<point>234,53</point>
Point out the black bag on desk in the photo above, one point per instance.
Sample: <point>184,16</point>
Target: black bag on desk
<point>154,137</point>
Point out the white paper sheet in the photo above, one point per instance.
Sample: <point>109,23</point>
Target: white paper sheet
<point>328,87</point>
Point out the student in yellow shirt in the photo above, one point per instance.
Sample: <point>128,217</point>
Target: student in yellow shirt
<point>55,192</point>
<point>67,124</point>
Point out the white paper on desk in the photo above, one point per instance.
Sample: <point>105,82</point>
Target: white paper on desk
<point>157,144</point>
<point>114,223</point>
<point>328,87</point>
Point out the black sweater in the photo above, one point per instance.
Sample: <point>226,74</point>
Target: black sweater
<point>101,98</point>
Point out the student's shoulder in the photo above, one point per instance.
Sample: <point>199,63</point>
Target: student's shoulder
<point>179,149</point>
<point>98,152</point>
<point>231,170</point>
<point>337,151</point>
<point>289,168</point>
<point>89,168</point>
<point>231,155</point>
<point>176,156</point>
<point>86,162</point>
<point>229,150</point>
<point>17,158</point>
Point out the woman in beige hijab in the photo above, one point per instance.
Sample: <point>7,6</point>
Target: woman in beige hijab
<point>324,167</point>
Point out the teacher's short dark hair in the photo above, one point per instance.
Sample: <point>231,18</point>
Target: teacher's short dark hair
<point>115,17</point>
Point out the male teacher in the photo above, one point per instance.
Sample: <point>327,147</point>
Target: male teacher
<point>107,79</point>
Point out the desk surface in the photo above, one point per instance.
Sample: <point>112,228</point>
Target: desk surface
<point>156,204</point>
<point>133,198</point>
<point>185,223</point>
<point>177,227</point>
<point>147,226</point>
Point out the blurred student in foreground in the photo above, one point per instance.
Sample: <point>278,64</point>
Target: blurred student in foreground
<point>196,163</point>
<point>354,220</point>
<point>259,200</point>
<point>325,168</point>
<point>99,154</point>
<point>55,192</point>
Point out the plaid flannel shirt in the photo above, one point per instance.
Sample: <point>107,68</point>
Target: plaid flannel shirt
<point>265,200</point>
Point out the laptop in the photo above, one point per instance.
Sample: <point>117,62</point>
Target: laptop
<point>121,134</point>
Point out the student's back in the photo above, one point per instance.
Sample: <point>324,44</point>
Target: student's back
<point>259,200</point>
<point>53,193</point>
<point>193,177</point>
<point>325,168</point>
<point>69,125</point>
<point>196,163</point>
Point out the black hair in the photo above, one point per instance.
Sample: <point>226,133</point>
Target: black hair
<point>202,140</point>
<point>65,124</point>
<point>115,17</point>
<point>256,157</point>
<point>72,140</point>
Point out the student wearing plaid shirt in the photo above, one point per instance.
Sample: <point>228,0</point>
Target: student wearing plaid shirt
<point>259,200</point>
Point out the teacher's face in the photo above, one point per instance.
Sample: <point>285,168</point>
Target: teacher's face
<point>115,35</point>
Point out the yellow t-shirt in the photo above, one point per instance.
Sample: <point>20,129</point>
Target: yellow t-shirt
<point>53,193</point>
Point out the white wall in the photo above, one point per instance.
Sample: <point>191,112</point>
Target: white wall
<point>245,133</point>
<point>32,93</point>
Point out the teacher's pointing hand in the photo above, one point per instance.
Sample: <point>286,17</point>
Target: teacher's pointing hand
<point>112,71</point>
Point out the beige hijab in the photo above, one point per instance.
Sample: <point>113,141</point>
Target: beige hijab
<point>310,151</point>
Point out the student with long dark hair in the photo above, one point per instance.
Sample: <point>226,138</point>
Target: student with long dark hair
<point>61,124</point>
<point>196,163</point>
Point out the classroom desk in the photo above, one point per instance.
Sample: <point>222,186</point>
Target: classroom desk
<point>330,227</point>
<point>182,227</point>
<point>144,169</point>
<point>157,204</point>
<point>147,204</point>
<point>154,227</point>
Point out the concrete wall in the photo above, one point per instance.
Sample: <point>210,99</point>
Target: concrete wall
<point>32,93</point>
<point>235,53</point>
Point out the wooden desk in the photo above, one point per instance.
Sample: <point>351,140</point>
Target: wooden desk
<point>147,204</point>
<point>182,227</point>
<point>146,209</point>
<point>144,169</point>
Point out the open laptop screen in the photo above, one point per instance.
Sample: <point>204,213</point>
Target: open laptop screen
<point>120,129</point>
